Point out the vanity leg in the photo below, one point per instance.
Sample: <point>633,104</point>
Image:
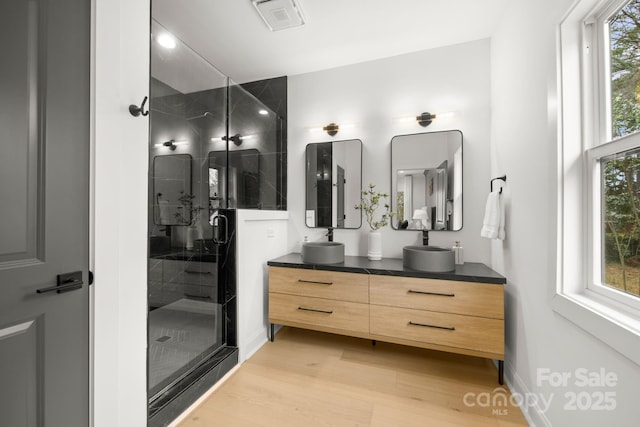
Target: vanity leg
<point>272,335</point>
<point>501,372</point>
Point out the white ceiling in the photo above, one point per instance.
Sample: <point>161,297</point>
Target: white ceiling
<point>231,35</point>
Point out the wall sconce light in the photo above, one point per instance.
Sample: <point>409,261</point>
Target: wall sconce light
<point>236,139</point>
<point>425,119</point>
<point>331,129</point>
<point>171,144</point>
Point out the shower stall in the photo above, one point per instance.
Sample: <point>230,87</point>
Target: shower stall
<point>208,156</point>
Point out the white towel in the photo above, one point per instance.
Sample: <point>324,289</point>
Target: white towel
<point>493,223</point>
<point>501,230</point>
<point>163,207</point>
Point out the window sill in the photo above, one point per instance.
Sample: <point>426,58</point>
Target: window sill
<point>603,320</point>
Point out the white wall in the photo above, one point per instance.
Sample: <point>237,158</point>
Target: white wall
<point>262,235</point>
<point>372,96</point>
<point>119,228</point>
<point>525,147</point>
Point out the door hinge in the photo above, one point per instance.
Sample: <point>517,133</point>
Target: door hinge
<point>90,277</point>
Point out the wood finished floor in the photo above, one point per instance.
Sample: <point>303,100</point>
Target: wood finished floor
<point>308,379</point>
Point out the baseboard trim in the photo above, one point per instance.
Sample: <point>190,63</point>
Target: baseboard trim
<point>533,414</point>
<point>253,345</point>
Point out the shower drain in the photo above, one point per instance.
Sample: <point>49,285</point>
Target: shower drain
<point>164,338</point>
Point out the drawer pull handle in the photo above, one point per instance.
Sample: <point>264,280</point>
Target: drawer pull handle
<point>315,282</point>
<point>448,328</point>
<point>411,291</point>
<point>197,272</point>
<point>315,310</point>
<point>196,296</point>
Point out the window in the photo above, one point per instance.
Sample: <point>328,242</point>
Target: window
<point>623,30</point>
<point>614,166</point>
<point>598,280</point>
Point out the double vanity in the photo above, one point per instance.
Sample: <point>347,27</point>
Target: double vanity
<point>424,299</point>
<point>459,311</point>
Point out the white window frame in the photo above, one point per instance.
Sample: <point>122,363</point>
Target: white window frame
<point>610,315</point>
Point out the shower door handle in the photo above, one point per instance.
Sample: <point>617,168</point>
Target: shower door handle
<point>220,222</point>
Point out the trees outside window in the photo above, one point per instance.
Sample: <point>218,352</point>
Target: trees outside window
<point>620,172</point>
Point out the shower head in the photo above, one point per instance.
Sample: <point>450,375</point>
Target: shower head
<point>199,116</point>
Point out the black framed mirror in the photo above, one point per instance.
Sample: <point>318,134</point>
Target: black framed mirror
<point>243,184</point>
<point>426,181</point>
<point>333,173</point>
<point>172,197</point>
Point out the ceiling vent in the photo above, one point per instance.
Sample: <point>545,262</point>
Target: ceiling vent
<point>279,14</point>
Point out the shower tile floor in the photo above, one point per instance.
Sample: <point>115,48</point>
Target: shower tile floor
<point>179,334</point>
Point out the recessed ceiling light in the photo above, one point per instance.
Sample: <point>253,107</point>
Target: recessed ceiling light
<point>263,112</point>
<point>166,40</point>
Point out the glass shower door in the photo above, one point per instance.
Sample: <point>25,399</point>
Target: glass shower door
<point>191,291</point>
<point>213,148</point>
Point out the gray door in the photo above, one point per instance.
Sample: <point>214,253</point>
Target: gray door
<point>44,212</point>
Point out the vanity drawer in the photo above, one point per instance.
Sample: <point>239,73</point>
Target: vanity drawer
<point>172,271</point>
<point>324,313</point>
<point>319,283</point>
<point>447,296</point>
<point>207,293</point>
<point>200,273</point>
<point>452,330</point>
<point>155,270</point>
<point>190,272</point>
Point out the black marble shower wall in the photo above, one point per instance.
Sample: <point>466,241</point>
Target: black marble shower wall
<point>273,94</point>
<point>266,129</point>
<point>257,155</point>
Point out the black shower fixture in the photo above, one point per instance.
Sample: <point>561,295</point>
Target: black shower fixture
<point>170,144</point>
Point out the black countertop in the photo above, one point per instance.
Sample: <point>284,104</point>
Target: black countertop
<point>467,272</point>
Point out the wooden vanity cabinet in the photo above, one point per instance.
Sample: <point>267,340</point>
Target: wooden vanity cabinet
<point>325,301</point>
<point>461,317</point>
<point>446,315</point>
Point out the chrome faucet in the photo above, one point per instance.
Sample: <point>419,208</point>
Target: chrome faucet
<point>425,237</point>
<point>330,234</point>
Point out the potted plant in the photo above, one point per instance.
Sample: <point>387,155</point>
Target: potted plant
<point>370,201</point>
<point>188,215</point>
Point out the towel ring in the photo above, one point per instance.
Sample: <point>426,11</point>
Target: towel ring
<point>502,178</point>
